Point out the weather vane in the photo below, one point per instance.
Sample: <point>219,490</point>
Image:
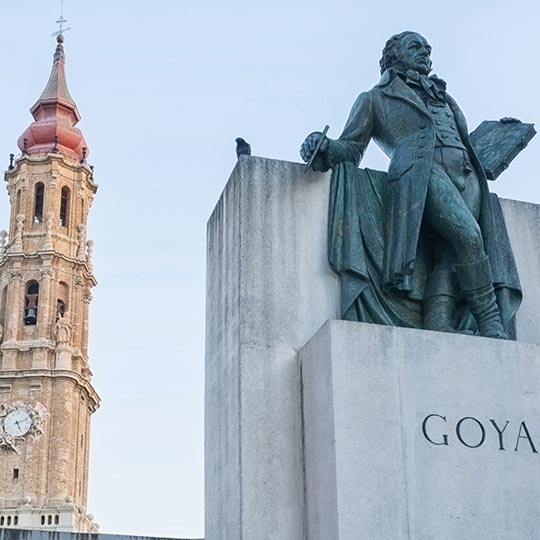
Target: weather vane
<point>60,22</point>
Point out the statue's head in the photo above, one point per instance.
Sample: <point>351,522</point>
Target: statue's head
<point>407,50</point>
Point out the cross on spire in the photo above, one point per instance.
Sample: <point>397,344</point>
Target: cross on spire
<point>60,22</point>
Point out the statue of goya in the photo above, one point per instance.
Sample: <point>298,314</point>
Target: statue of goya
<point>423,245</point>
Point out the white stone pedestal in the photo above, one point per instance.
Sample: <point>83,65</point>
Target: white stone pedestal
<point>417,435</point>
<point>269,289</point>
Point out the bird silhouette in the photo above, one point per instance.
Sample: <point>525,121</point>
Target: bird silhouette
<point>242,148</point>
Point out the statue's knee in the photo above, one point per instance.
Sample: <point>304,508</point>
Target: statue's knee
<point>473,243</point>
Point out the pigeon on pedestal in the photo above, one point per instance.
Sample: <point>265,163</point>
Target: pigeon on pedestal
<point>242,148</point>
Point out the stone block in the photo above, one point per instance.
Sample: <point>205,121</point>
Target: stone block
<point>523,224</point>
<point>417,435</point>
<point>269,289</point>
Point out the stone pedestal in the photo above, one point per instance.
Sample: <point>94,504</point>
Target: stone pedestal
<point>419,435</point>
<point>269,289</point>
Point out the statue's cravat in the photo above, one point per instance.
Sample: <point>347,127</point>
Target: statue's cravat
<point>434,87</point>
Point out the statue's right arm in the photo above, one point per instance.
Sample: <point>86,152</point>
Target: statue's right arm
<point>356,135</point>
<point>352,143</point>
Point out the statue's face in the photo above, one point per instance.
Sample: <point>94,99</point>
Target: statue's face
<point>415,54</point>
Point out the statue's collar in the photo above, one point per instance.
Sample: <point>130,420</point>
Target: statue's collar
<point>391,73</point>
<point>386,77</point>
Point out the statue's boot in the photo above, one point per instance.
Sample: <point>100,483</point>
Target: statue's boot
<point>439,312</point>
<point>440,300</point>
<point>476,282</point>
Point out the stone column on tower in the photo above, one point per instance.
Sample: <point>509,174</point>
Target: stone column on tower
<point>46,391</point>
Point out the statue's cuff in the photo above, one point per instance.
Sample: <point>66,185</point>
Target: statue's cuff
<point>336,153</point>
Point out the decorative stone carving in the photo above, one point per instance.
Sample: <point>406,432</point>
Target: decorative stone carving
<point>80,189</point>
<point>81,236</point>
<point>62,330</point>
<point>15,275</point>
<point>46,273</point>
<point>3,240</point>
<point>90,252</point>
<point>48,244</point>
<point>87,297</point>
<point>21,182</point>
<point>32,429</point>
<point>18,241</point>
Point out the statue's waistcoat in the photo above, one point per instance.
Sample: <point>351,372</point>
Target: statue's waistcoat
<point>446,131</point>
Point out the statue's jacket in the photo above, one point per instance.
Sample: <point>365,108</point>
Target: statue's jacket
<point>394,116</point>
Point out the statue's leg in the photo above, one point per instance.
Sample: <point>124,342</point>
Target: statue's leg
<point>448,214</point>
<point>440,292</point>
<point>476,281</point>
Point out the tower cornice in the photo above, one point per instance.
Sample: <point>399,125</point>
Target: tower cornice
<point>81,382</point>
<point>21,164</point>
<point>83,267</point>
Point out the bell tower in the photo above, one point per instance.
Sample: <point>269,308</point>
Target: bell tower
<point>46,392</point>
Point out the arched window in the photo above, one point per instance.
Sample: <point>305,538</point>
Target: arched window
<point>31,303</point>
<point>64,207</point>
<point>60,308</point>
<point>38,202</point>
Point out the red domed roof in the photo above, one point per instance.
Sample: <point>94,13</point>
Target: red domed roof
<point>55,114</point>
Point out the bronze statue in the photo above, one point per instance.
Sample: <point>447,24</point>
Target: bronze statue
<point>423,245</point>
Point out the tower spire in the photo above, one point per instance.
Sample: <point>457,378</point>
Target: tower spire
<point>55,114</point>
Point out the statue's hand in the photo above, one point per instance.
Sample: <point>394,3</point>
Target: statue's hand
<point>309,145</point>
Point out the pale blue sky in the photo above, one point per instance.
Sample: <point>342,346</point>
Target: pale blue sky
<point>164,88</point>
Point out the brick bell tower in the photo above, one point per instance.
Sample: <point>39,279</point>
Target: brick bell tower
<point>46,392</point>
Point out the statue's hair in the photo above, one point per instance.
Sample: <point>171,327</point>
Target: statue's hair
<point>392,50</point>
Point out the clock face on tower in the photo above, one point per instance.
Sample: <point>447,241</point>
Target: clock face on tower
<point>20,422</point>
<point>17,423</point>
